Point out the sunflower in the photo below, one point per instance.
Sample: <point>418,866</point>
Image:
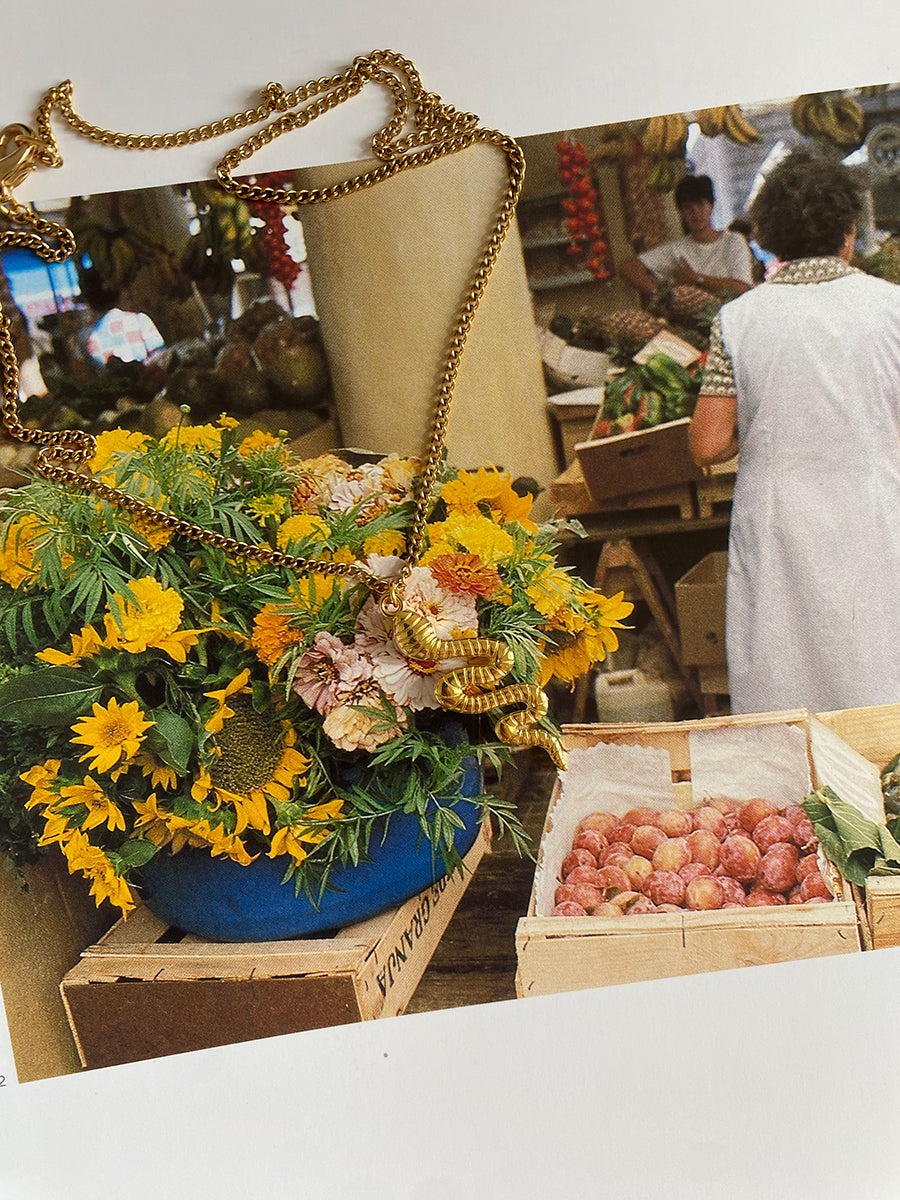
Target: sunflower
<point>113,735</point>
<point>84,645</point>
<point>258,762</point>
<point>236,687</point>
<point>100,809</point>
<point>293,839</point>
<point>106,883</point>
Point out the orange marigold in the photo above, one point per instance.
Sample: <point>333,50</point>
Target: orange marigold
<point>464,575</point>
<point>272,634</point>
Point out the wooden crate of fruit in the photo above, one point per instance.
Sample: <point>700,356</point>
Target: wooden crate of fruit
<point>688,895</point>
<point>875,733</point>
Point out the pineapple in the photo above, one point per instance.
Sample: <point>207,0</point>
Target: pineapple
<point>629,325</point>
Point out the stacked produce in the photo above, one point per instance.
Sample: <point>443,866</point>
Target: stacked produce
<point>646,220</point>
<point>267,364</point>
<point>648,394</point>
<point>581,208</point>
<point>722,854</point>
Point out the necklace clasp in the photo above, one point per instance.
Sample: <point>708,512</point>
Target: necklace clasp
<point>18,156</point>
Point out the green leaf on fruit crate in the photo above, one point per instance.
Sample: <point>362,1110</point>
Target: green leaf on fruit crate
<point>49,696</point>
<point>857,846</point>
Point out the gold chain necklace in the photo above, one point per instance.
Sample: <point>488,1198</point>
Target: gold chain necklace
<point>437,129</point>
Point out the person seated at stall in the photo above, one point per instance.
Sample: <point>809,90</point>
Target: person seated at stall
<point>719,261</point>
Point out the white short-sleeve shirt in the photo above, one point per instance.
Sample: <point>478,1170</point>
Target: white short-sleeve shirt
<point>728,257</point>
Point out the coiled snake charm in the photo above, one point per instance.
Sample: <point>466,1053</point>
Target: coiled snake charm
<point>471,689</point>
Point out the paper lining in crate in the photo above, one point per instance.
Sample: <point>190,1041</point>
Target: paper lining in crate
<point>145,991</point>
<point>875,733</point>
<point>615,768</point>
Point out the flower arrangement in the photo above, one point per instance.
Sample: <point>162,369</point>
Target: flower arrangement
<point>156,693</point>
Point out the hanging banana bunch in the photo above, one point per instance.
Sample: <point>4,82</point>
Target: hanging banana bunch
<point>727,119</point>
<point>839,120</point>
<point>665,139</point>
<point>616,142</point>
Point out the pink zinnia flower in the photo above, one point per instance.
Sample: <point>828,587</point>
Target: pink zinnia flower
<point>328,671</point>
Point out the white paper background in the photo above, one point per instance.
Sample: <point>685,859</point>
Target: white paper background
<point>588,1093</point>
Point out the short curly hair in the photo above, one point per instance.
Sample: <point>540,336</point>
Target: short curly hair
<point>806,206</point>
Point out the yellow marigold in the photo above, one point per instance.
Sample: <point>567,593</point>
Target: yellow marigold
<point>153,621</point>
<point>151,531</point>
<point>226,422</point>
<point>469,491</point>
<point>268,506</point>
<point>300,526</point>
<point>113,444</point>
<point>192,437</point>
<point>550,592</point>
<point>473,533</point>
<point>390,542</point>
<point>17,550</point>
<point>310,592</point>
<point>258,441</point>
<point>272,634</point>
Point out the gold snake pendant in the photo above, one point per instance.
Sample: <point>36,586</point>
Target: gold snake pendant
<point>471,689</point>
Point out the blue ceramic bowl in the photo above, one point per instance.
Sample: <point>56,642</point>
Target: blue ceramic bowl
<point>218,899</point>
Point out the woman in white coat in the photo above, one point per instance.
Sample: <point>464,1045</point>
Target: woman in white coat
<point>803,376</point>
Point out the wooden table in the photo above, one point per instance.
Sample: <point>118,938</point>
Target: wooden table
<point>621,528</point>
<point>475,961</point>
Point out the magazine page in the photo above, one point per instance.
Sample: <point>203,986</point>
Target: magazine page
<point>167,705</point>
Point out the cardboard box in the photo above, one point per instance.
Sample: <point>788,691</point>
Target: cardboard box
<point>42,932</point>
<point>574,413</point>
<point>557,954</point>
<point>638,462</point>
<point>700,606</point>
<point>570,366</point>
<point>144,991</point>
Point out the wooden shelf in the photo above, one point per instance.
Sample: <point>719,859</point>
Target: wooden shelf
<point>563,281</point>
<point>540,241</point>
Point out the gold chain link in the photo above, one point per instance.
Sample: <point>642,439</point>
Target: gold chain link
<point>438,129</point>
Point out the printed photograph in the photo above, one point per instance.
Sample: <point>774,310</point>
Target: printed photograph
<point>363,637</point>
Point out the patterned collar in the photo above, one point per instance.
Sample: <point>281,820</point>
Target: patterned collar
<point>813,270</point>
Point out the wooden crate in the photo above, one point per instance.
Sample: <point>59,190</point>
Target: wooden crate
<point>570,497</point>
<point>557,954</point>
<point>875,733</point>
<point>638,461</point>
<point>144,991</point>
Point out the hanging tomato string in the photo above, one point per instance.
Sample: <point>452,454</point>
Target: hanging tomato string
<point>269,239</point>
<point>581,208</point>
